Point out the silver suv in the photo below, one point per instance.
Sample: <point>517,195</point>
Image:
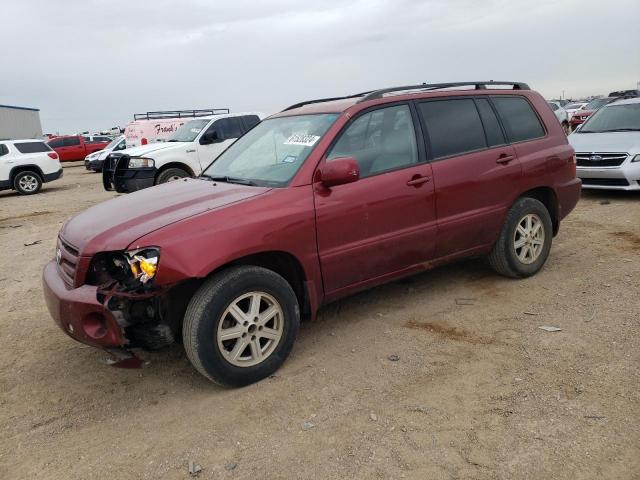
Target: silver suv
<point>607,147</point>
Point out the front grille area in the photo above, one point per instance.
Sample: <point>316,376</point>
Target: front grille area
<point>600,159</point>
<point>67,260</point>
<point>606,182</point>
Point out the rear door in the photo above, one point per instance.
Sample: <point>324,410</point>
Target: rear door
<point>228,129</point>
<point>476,172</point>
<point>384,222</point>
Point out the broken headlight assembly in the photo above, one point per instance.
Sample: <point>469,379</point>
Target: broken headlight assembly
<point>131,268</point>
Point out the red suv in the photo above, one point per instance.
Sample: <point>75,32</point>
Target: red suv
<point>75,147</point>
<point>323,199</point>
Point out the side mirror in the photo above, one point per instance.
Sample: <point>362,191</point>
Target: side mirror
<point>339,171</point>
<point>209,137</point>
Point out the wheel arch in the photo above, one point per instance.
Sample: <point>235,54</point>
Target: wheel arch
<point>25,168</point>
<point>175,164</point>
<point>548,198</point>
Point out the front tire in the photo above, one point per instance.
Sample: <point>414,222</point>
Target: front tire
<point>525,240</point>
<point>171,175</point>
<point>240,325</point>
<point>27,183</point>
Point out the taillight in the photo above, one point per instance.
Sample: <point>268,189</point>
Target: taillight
<point>53,155</point>
<point>143,141</point>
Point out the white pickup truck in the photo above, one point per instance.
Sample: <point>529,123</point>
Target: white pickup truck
<point>185,154</point>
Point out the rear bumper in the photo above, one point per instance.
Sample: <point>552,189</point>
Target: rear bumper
<point>568,195</point>
<point>78,312</point>
<point>50,177</point>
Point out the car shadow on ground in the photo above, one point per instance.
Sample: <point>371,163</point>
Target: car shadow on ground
<point>603,195</point>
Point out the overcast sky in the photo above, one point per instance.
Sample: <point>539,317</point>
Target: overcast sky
<point>93,64</point>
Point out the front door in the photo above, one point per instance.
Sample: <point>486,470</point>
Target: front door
<point>384,222</point>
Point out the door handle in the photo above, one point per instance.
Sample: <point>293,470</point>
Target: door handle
<point>190,151</point>
<point>504,159</point>
<point>417,180</point>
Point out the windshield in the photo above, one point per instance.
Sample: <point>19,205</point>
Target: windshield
<point>614,118</point>
<point>189,131</point>
<point>272,152</point>
<point>573,106</point>
<point>597,103</point>
<point>113,143</point>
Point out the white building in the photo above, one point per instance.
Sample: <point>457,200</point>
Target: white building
<point>19,122</point>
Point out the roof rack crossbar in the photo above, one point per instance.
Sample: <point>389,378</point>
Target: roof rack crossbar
<point>160,114</point>
<point>480,85</point>
<point>321,100</point>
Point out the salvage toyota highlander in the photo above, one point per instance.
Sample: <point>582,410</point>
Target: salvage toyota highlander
<point>326,198</point>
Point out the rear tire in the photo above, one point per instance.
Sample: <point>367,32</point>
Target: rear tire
<point>170,175</point>
<point>525,240</point>
<point>27,182</point>
<point>240,325</point>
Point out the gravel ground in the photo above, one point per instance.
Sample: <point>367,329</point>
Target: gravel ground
<point>443,375</point>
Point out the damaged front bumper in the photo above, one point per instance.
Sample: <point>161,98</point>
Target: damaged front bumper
<point>96,318</point>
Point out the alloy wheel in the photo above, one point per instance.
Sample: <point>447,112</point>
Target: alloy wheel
<point>250,329</point>
<point>528,238</point>
<point>28,183</point>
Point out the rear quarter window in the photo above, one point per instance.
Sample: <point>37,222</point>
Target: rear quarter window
<point>519,119</point>
<point>4,150</point>
<point>32,147</point>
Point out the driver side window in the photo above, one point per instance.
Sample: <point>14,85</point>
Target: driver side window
<point>379,141</point>
<point>226,128</point>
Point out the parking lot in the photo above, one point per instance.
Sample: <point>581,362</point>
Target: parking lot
<point>442,375</point>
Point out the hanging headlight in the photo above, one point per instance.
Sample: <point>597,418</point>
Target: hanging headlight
<point>142,263</point>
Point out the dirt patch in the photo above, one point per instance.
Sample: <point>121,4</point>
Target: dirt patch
<point>630,238</point>
<point>451,333</point>
<point>26,215</point>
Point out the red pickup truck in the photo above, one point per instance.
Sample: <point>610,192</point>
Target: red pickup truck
<point>75,147</point>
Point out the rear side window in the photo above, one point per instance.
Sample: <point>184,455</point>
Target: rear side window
<point>250,121</point>
<point>490,122</point>
<point>71,141</point>
<point>518,118</point>
<point>56,143</point>
<point>4,150</point>
<point>454,127</point>
<point>32,147</point>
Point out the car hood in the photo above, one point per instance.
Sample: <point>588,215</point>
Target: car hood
<point>143,150</point>
<point>614,142</point>
<point>117,223</point>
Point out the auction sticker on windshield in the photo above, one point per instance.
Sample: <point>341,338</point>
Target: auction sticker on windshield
<point>305,140</point>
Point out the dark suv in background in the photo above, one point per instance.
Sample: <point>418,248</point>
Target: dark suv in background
<point>324,199</point>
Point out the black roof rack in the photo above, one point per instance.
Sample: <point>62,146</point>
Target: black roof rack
<point>480,85</point>
<point>322,100</point>
<point>373,94</point>
<point>179,113</point>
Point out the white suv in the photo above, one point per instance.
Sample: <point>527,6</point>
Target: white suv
<point>186,153</point>
<point>26,164</point>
